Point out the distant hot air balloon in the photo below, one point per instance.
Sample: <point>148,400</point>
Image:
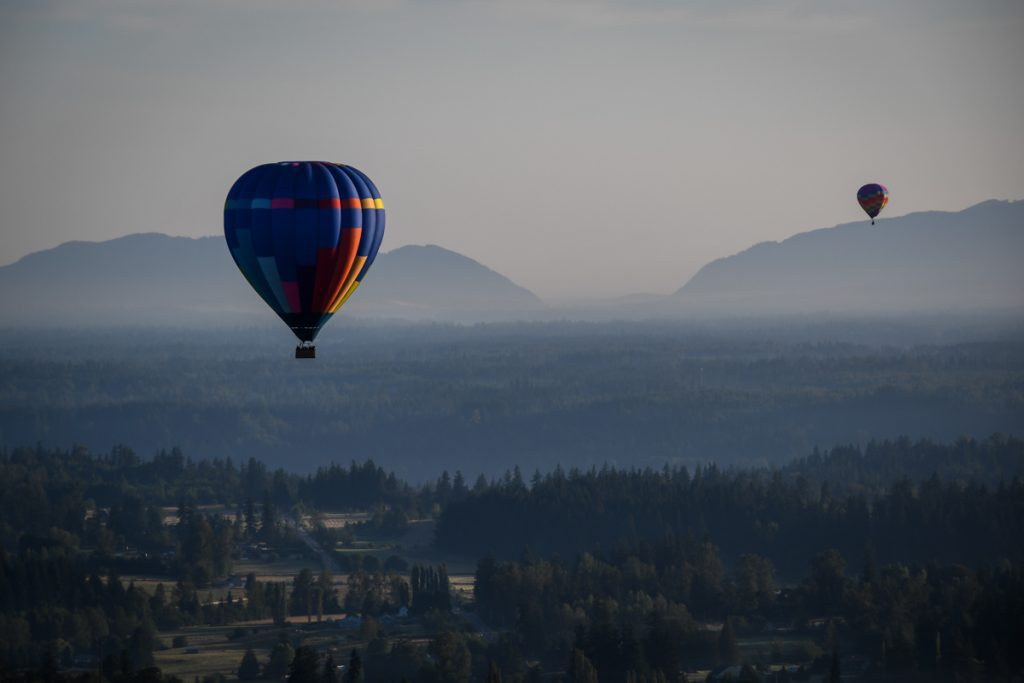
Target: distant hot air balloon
<point>873,198</point>
<point>304,233</point>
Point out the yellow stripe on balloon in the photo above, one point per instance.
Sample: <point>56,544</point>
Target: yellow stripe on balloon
<point>350,278</point>
<point>350,292</point>
<point>378,203</point>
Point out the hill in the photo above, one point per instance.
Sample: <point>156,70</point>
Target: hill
<point>156,279</point>
<point>922,262</point>
<point>413,281</point>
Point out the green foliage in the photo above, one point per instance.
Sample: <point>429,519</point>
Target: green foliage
<point>354,672</point>
<point>374,593</point>
<point>431,589</point>
<point>452,659</point>
<point>629,612</point>
<point>280,660</point>
<point>249,667</point>
<point>478,398</point>
<point>330,671</point>
<point>774,514</point>
<point>728,646</point>
<point>581,670</point>
<point>493,673</point>
<point>305,666</point>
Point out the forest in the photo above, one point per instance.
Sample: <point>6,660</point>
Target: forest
<point>778,514</point>
<point>419,399</point>
<point>900,559</point>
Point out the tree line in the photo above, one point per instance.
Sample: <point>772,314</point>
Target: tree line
<point>782,515</point>
<point>641,613</point>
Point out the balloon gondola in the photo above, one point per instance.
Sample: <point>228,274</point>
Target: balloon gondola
<point>304,234</point>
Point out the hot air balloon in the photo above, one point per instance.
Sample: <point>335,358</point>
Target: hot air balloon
<point>873,198</point>
<point>304,233</point>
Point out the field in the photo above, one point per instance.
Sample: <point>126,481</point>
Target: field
<point>219,649</point>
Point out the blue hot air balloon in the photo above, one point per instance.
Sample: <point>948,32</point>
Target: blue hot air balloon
<point>304,234</point>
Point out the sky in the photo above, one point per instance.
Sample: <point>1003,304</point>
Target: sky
<point>583,148</point>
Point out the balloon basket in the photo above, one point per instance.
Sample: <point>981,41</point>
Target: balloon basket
<point>305,351</point>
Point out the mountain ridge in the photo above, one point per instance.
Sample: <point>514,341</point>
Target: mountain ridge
<point>923,262</point>
<point>154,278</point>
<point>928,260</point>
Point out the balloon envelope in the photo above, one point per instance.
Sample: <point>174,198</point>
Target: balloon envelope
<point>304,233</point>
<point>873,198</point>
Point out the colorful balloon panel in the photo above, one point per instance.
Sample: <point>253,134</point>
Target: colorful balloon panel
<point>873,198</point>
<point>304,234</point>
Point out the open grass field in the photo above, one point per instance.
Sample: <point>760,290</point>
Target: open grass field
<point>169,514</point>
<point>339,520</point>
<point>795,648</point>
<point>283,569</point>
<point>219,649</point>
<point>211,649</point>
<point>206,595</point>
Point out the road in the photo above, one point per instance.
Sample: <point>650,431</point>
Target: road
<point>325,557</point>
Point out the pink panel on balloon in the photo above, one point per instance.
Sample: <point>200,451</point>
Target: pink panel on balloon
<point>291,290</point>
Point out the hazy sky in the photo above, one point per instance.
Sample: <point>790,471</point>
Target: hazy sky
<point>581,147</point>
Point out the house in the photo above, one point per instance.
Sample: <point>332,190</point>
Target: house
<point>350,623</point>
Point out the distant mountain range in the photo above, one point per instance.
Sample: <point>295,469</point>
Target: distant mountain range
<point>930,262</point>
<point>971,260</point>
<point>155,279</point>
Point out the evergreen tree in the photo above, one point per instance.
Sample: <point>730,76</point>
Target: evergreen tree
<point>275,596</point>
<point>453,660</point>
<point>249,667</point>
<point>728,647</point>
<point>305,666</point>
<point>141,644</point>
<point>302,594</point>
<point>268,521</point>
<point>250,519</point>
<point>493,673</point>
<point>280,660</point>
<point>354,674</point>
<point>330,672</point>
<point>580,669</point>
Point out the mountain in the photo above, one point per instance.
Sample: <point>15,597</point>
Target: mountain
<point>934,261</point>
<point>931,262</point>
<point>419,279</point>
<point>155,279</point>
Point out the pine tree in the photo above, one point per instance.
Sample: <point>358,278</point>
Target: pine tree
<point>330,672</point>
<point>728,648</point>
<point>141,645</point>
<point>581,669</point>
<point>268,522</point>
<point>249,667</point>
<point>280,660</point>
<point>493,673</point>
<point>833,675</point>
<point>250,519</point>
<point>355,668</point>
<point>305,666</point>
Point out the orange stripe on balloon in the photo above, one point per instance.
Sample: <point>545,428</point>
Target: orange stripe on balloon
<point>350,278</point>
<point>348,245</point>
